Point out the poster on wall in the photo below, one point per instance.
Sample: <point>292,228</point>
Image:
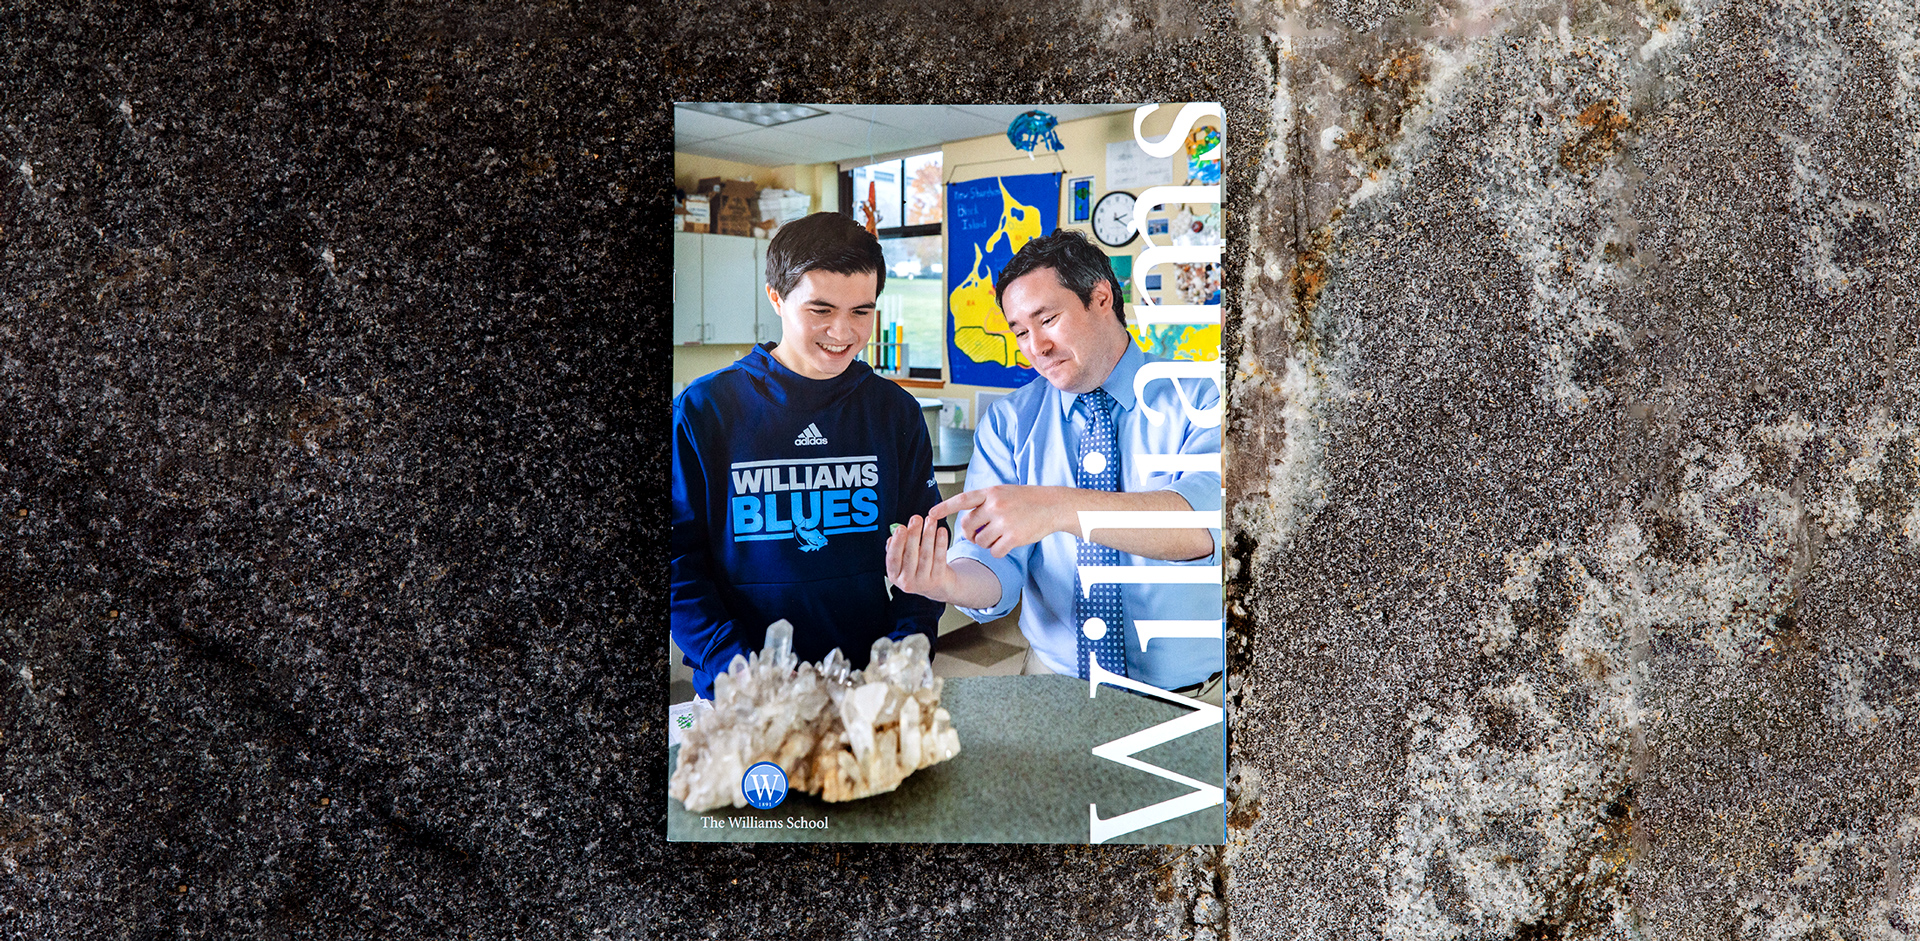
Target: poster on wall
<point>1079,200</point>
<point>988,221</point>
<point>1203,158</point>
<point>1130,168</point>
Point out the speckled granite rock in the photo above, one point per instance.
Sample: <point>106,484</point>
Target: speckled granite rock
<point>1575,461</point>
<point>333,396</point>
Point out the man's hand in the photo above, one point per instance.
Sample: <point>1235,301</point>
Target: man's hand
<point>1003,518</point>
<point>917,562</point>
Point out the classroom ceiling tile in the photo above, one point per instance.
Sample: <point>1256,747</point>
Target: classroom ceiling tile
<point>792,146</point>
<point>690,125</point>
<point>857,134</point>
<point>758,114</point>
<point>849,131</point>
<point>1002,115</point>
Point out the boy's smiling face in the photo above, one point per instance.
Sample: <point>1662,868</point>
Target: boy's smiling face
<point>824,321</point>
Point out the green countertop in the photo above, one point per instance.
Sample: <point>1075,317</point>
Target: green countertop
<point>1025,774</point>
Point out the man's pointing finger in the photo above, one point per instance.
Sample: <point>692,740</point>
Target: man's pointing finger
<point>961,501</point>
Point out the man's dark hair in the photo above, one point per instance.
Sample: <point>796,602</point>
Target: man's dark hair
<point>824,241</point>
<point>1078,263</point>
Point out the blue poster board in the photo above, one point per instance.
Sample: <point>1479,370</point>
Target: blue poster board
<point>988,220</point>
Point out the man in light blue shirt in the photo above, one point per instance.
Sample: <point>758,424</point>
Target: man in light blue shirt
<point>1018,522</point>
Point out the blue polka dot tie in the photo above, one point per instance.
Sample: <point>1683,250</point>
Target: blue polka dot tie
<point>1097,612</point>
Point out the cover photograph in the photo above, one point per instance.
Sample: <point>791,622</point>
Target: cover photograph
<point>946,528</point>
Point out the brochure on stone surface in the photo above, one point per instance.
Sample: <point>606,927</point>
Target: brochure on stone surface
<point>946,558</point>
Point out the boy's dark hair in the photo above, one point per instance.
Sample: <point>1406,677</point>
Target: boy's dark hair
<point>824,241</point>
<point>1078,263</point>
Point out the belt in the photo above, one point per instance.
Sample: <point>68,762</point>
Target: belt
<point>1203,684</point>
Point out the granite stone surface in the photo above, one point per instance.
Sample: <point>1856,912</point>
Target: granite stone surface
<point>1574,474</point>
<point>1575,468</point>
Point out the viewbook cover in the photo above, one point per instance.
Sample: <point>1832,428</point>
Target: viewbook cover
<point>946,546</point>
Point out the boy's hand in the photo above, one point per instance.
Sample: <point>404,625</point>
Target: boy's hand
<point>917,559</point>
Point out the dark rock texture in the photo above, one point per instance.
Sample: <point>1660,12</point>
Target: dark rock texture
<point>333,396</point>
<point>1575,476</point>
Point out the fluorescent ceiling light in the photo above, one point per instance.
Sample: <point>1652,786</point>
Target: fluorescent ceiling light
<point>763,115</point>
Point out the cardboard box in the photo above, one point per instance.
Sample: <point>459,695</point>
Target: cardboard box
<point>732,216</point>
<point>783,206</point>
<point>734,209</point>
<point>699,216</point>
<point>715,185</point>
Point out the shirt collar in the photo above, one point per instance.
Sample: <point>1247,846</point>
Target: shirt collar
<point>1119,382</point>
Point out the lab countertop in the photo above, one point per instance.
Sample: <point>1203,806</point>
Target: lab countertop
<point>953,449</point>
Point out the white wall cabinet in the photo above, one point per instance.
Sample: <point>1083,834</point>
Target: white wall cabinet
<point>688,318</point>
<point>766,322</point>
<point>720,290</point>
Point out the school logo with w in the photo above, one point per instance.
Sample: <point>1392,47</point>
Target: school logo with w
<point>764,785</point>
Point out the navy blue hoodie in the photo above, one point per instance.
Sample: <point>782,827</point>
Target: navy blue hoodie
<point>784,489</point>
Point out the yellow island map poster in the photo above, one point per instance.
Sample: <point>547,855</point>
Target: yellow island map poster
<point>989,220</point>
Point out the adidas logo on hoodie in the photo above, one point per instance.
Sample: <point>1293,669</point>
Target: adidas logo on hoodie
<point>811,435</point>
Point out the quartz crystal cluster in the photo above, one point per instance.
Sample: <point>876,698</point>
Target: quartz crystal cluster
<point>837,732</point>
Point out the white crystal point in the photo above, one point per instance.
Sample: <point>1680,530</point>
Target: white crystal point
<point>860,712</point>
<point>910,733</point>
<point>779,645</point>
<point>835,668</point>
<point>946,742</point>
<point>837,732</point>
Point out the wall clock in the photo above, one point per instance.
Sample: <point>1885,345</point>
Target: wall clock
<point>1113,219</point>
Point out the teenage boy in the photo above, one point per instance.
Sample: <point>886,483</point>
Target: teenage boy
<point>790,466</point>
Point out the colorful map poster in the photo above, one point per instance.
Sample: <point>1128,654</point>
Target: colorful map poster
<point>988,220</point>
<point>1179,340</point>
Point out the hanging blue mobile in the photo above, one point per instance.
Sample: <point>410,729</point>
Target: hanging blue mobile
<point>1032,129</point>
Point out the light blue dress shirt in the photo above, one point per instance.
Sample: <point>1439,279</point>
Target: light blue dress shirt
<point>1029,437</point>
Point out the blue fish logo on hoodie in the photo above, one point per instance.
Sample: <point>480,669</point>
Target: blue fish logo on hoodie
<point>810,540</point>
